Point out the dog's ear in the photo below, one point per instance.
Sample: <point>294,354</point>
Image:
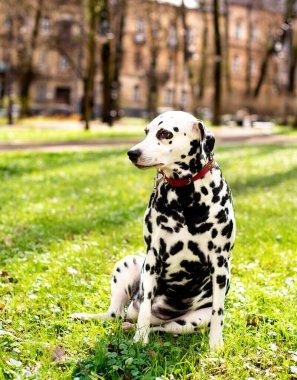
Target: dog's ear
<point>207,139</point>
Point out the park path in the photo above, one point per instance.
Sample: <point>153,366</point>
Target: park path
<point>224,136</point>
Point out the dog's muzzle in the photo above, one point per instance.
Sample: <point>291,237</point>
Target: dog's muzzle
<point>134,154</point>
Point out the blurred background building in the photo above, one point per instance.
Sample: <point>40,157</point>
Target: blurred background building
<point>142,57</point>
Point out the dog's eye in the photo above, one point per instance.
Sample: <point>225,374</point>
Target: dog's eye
<point>164,134</point>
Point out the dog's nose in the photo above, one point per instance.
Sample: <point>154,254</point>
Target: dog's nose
<point>134,154</point>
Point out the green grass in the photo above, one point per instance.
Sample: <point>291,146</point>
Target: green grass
<point>37,135</point>
<point>66,218</point>
<point>40,129</point>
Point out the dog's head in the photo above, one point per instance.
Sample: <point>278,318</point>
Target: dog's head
<point>171,138</point>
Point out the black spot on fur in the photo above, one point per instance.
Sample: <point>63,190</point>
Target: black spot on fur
<point>204,227</point>
<point>226,247</point>
<point>194,148</point>
<point>125,264</point>
<point>148,222</point>
<point>181,322</point>
<point>214,233</point>
<point>148,241</point>
<point>147,267</point>
<point>149,295</point>
<point>177,247</point>
<point>224,199</point>
<point>112,315</point>
<point>220,311</point>
<point>204,190</point>
<point>227,230</point>
<point>160,122</point>
<point>115,280</point>
<point>196,251</point>
<point>175,129</point>
<point>118,270</point>
<point>221,261</point>
<point>210,245</point>
<point>221,281</point>
<point>183,156</point>
<point>221,216</point>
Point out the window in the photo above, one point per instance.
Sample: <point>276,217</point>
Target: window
<point>252,66</point>
<point>183,98</point>
<point>254,34</point>
<point>63,95</point>
<point>63,63</point>
<point>43,58</point>
<point>170,65</point>
<point>136,93</point>
<point>138,62</point>
<point>172,37</point>
<point>238,33</point>
<point>139,36</point>
<point>65,29</point>
<point>41,92</point>
<point>169,96</point>
<point>45,25</point>
<point>236,64</point>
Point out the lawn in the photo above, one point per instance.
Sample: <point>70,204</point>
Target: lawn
<point>40,129</point>
<point>66,218</point>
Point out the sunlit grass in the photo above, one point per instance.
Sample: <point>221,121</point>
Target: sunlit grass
<point>66,218</point>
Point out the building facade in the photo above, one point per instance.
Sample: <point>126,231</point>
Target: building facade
<point>153,37</point>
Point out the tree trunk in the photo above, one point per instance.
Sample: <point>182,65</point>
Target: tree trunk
<point>107,82</point>
<point>116,86</point>
<point>91,61</point>
<point>217,66</point>
<point>27,70</point>
<point>107,66</point>
<point>226,48</point>
<point>187,55</point>
<point>152,104</point>
<point>203,64</point>
<point>271,49</point>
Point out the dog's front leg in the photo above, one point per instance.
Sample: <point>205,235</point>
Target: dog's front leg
<point>219,284</point>
<point>147,289</point>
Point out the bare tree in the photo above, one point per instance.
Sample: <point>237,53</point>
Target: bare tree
<point>275,45</point>
<point>217,65</point>
<point>26,66</point>
<point>227,48</point>
<point>187,54</point>
<point>204,49</point>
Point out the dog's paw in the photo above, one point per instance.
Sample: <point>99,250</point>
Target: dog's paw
<point>141,337</point>
<point>88,317</point>
<point>216,345</point>
<point>127,326</point>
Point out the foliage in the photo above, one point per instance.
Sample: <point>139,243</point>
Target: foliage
<point>66,218</point>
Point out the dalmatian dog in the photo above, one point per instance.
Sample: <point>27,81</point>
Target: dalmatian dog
<point>189,231</point>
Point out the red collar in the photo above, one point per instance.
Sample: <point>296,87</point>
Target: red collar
<point>183,182</point>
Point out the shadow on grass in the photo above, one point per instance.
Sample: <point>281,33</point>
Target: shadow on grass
<point>45,230</point>
<point>263,181</point>
<point>25,164</point>
<point>116,356</point>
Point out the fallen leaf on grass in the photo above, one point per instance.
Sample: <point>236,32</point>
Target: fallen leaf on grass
<point>58,354</point>
<point>6,276</point>
<point>7,241</point>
